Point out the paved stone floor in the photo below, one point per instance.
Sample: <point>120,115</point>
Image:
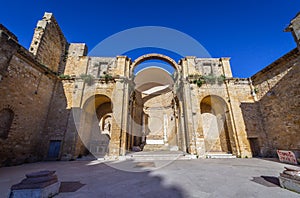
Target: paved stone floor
<point>182,178</point>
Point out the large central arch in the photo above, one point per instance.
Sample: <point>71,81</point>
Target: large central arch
<point>162,57</point>
<point>153,107</point>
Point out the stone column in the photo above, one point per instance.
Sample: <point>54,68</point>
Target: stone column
<point>165,129</point>
<point>187,107</point>
<point>120,102</point>
<point>183,134</point>
<point>200,137</point>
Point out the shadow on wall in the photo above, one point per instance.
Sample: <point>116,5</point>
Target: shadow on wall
<point>273,122</point>
<point>255,133</point>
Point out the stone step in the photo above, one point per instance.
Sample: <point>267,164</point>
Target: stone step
<point>218,155</point>
<point>155,147</point>
<point>159,155</point>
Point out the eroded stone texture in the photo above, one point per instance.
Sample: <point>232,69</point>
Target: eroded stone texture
<point>40,184</point>
<point>49,44</point>
<point>67,104</point>
<point>26,89</point>
<point>279,100</point>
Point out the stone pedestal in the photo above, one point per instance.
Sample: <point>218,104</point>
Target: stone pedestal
<point>290,179</point>
<point>41,184</point>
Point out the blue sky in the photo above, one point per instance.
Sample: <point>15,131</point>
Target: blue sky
<point>248,31</point>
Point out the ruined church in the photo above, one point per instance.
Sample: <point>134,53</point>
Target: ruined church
<point>57,103</point>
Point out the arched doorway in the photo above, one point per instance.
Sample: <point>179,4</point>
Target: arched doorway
<point>96,125</point>
<point>154,106</point>
<point>218,136</point>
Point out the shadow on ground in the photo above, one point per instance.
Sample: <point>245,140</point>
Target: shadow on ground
<point>268,181</point>
<point>102,180</point>
<point>70,186</point>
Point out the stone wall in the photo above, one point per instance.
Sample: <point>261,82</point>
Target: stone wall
<point>26,89</point>
<point>294,28</point>
<point>260,114</point>
<point>9,46</point>
<point>233,92</point>
<point>279,101</point>
<point>49,44</point>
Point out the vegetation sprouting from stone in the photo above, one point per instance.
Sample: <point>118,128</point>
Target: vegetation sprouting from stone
<point>199,80</point>
<point>107,77</point>
<point>65,77</point>
<point>221,79</point>
<point>87,78</point>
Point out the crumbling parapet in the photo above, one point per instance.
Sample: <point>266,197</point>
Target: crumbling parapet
<point>49,44</point>
<point>294,27</point>
<point>9,46</point>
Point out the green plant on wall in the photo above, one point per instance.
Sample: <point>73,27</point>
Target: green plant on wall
<point>87,78</point>
<point>210,79</point>
<point>221,79</point>
<point>107,77</point>
<point>199,80</point>
<point>65,77</point>
<point>256,90</point>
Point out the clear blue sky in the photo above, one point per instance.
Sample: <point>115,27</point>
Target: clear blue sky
<point>248,31</point>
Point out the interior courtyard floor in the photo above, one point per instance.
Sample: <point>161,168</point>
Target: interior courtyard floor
<point>158,178</point>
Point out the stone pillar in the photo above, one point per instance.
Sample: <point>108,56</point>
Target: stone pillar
<point>187,107</point>
<point>182,127</point>
<point>165,129</point>
<point>226,67</point>
<point>200,137</point>
<point>120,100</point>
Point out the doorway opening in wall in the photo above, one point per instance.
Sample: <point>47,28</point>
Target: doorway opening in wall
<point>96,125</point>
<point>54,149</point>
<point>154,106</point>
<point>254,144</point>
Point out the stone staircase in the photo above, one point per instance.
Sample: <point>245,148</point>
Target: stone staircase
<point>159,155</point>
<point>219,155</point>
<point>155,147</point>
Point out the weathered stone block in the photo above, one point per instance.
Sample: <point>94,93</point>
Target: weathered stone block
<point>41,184</point>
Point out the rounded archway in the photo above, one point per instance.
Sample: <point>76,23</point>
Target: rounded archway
<point>153,56</point>
<point>153,107</point>
<point>218,135</point>
<point>153,79</point>
<point>96,124</point>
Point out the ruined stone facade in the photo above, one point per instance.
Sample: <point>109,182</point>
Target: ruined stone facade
<point>58,103</point>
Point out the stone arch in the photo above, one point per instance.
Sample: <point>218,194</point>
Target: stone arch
<point>153,124</point>
<point>93,101</point>
<point>6,120</point>
<point>95,110</point>
<point>218,134</point>
<point>104,114</point>
<point>216,101</point>
<point>162,57</point>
